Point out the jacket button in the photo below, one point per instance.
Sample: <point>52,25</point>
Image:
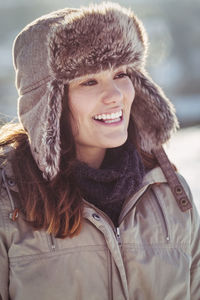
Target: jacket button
<point>178,190</point>
<point>184,201</point>
<point>96,217</point>
<point>11,182</point>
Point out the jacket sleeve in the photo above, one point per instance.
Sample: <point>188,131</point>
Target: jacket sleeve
<point>195,246</point>
<point>4,233</point>
<point>195,252</point>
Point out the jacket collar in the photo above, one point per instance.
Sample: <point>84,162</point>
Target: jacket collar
<point>155,176</point>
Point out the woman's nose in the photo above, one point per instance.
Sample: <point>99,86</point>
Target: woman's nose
<point>112,94</point>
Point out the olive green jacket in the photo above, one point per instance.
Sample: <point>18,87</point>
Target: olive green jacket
<point>154,254</point>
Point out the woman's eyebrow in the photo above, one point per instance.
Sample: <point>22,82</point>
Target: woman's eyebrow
<point>83,78</point>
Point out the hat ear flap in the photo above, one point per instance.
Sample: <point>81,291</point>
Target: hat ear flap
<point>153,113</point>
<point>51,130</point>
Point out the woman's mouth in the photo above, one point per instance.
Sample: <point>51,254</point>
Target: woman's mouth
<point>111,118</point>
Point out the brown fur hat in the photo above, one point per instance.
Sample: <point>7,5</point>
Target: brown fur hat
<point>66,44</point>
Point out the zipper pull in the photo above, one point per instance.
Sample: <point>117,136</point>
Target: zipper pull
<point>53,246</point>
<point>118,236</point>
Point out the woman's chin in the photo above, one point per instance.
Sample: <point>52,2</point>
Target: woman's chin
<point>116,142</point>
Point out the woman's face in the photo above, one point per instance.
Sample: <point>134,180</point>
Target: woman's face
<point>100,107</point>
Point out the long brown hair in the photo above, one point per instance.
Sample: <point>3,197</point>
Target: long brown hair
<point>54,206</point>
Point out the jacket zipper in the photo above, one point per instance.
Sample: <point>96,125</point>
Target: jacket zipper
<point>118,237</point>
<point>116,230</point>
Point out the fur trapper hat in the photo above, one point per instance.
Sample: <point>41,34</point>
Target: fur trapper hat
<point>66,44</point>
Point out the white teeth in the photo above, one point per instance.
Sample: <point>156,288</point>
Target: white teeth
<point>112,121</point>
<point>112,116</point>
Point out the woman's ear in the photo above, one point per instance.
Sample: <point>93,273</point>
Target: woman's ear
<point>152,112</point>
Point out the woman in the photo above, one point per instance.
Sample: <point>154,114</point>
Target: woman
<point>86,210</point>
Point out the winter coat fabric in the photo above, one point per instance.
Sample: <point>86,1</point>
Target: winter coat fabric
<point>154,254</point>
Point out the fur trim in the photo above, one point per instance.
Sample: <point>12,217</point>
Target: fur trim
<point>94,39</point>
<point>51,130</point>
<point>153,113</point>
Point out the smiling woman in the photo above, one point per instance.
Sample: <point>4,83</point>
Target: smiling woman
<point>90,206</point>
<point>100,107</point>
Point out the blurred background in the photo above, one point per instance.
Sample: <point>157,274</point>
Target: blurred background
<point>173,27</point>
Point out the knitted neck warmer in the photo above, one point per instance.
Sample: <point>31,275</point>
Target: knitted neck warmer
<point>119,177</point>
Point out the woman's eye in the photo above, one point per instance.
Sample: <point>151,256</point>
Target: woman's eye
<point>89,82</point>
<point>121,75</point>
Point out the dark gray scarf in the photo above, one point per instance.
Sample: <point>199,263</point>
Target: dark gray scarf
<point>119,177</point>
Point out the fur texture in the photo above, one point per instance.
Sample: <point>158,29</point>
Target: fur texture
<point>94,39</point>
<point>69,43</point>
<point>51,135</point>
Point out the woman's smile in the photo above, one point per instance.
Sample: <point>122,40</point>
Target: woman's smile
<point>114,118</point>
